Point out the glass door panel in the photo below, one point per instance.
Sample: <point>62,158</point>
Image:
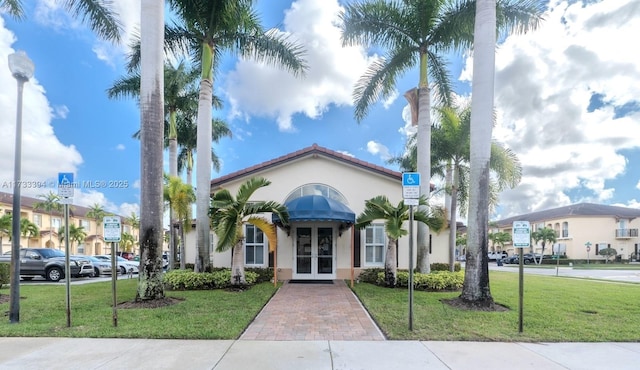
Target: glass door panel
<point>325,250</point>
<point>303,250</point>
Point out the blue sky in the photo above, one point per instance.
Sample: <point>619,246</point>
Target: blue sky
<point>566,97</point>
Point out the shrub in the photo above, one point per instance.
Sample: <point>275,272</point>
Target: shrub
<point>189,280</point>
<point>263,274</point>
<point>444,266</point>
<point>5,274</point>
<point>370,275</point>
<point>435,281</point>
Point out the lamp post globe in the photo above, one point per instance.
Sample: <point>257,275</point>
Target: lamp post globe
<point>22,69</point>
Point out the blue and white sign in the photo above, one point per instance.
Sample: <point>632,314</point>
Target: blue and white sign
<point>65,184</point>
<point>521,235</point>
<point>411,185</point>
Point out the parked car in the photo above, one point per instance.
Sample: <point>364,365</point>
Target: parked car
<point>527,258</point>
<point>126,255</point>
<point>100,267</point>
<point>497,256</point>
<point>124,265</point>
<point>50,264</point>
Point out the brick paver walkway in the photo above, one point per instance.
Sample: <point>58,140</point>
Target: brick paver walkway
<point>313,312</point>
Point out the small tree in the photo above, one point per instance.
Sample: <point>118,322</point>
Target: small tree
<point>607,253</point>
<point>544,235</point>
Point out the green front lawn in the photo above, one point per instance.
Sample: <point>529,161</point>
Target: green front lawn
<point>204,314</point>
<point>555,309</point>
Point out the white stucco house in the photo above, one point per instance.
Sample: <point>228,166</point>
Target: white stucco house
<point>324,192</point>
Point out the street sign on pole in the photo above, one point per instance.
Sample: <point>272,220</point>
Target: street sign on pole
<point>112,229</point>
<point>411,185</point>
<point>65,185</point>
<point>521,234</point>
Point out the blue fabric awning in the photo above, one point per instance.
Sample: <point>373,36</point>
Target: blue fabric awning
<point>317,208</point>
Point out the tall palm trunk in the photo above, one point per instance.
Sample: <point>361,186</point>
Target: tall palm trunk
<point>173,171</point>
<point>151,138</point>
<point>391,263</point>
<point>203,165</point>
<point>424,162</point>
<point>237,265</point>
<point>476,278</point>
<point>453,222</point>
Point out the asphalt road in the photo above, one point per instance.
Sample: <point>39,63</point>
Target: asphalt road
<point>631,275</point>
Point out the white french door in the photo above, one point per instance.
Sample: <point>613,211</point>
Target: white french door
<point>314,253</point>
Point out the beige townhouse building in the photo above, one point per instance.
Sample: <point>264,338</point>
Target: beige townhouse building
<point>49,224</point>
<point>582,230</point>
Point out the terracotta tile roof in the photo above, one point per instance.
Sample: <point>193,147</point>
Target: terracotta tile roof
<point>312,150</point>
<point>580,209</point>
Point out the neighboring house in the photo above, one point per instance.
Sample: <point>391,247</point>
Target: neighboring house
<point>585,224</point>
<point>324,192</point>
<point>49,224</point>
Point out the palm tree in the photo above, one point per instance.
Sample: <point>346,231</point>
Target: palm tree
<point>415,33</point>
<point>28,229</point>
<point>5,228</point>
<point>150,285</point>
<point>96,213</point>
<point>543,235</point>
<point>98,13</point>
<point>488,14</point>
<point>208,29</point>
<point>50,203</point>
<point>451,154</point>
<point>180,197</point>
<point>180,95</point>
<point>134,221</point>
<point>229,214</point>
<point>127,242</point>
<point>380,208</point>
<point>187,138</point>
<point>499,238</point>
<point>77,234</point>
<point>183,199</point>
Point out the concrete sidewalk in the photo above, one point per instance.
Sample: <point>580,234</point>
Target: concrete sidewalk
<point>88,353</point>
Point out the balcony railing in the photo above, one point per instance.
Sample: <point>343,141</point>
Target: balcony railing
<point>626,233</point>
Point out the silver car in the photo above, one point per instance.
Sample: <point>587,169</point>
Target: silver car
<point>100,266</point>
<point>124,265</point>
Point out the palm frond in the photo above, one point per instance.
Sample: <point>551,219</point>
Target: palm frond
<point>99,14</point>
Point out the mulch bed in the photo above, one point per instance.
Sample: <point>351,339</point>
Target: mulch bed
<point>466,305</point>
<point>4,298</point>
<point>152,303</point>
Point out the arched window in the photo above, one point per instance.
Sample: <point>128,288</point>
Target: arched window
<point>317,189</point>
<point>565,229</point>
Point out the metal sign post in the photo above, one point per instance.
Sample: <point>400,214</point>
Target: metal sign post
<point>112,230</point>
<point>411,195</point>
<point>65,193</point>
<point>521,237</point>
<point>588,245</point>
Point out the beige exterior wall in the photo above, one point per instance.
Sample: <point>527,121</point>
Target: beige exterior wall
<point>354,183</point>
<point>600,231</point>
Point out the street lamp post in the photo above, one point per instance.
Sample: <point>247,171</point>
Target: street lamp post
<point>22,69</point>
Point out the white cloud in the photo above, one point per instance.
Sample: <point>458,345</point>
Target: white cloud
<point>545,81</point>
<point>52,14</point>
<point>256,89</point>
<point>120,147</point>
<point>378,149</point>
<point>43,155</point>
<point>346,153</point>
<point>60,111</point>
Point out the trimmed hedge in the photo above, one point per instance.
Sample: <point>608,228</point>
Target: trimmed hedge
<point>444,267</point>
<point>5,273</point>
<point>189,280</point>
<point>435,281</point>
